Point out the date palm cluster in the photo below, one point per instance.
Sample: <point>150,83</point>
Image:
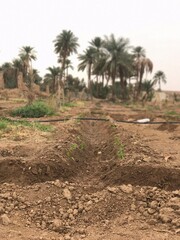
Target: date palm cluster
<point>108,61</point>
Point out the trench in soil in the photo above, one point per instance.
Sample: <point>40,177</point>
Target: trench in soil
<point>92,159</point>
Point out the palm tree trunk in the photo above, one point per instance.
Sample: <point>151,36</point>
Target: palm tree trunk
<point>89,81</point>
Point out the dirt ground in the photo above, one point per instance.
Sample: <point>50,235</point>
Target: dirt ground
<point>92,180</point>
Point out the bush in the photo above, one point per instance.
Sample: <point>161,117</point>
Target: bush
<point>35,110</point>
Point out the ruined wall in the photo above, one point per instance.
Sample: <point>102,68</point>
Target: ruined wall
<point>1,80</point>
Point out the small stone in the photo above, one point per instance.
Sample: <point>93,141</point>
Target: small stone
<point>133,207</point>
<point>71,217</point>
<point>56,224</point>
<point>89,203</point>
<point>67,194</point>
<point>70,211</point>
<point>5,220</point>
<point>112,189</point>
<point>152,222</point>
<point>151,210</point>
<point>165,218</point>
<point>48,199</point>
<point>43,225</point>
<point>153,204</point>
<point>130,219</point>
<point>67,237</point>
<point>126,188</point>
<point>57,183</point>
<point>75,212</point>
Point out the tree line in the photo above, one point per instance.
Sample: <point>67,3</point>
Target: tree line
<point>114,68</point>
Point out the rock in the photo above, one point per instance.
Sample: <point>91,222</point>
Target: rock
<point>43,225</point>
<point>57,224</point>
<point>67,194</point>
<point>57,183</point>
<point>89,203</point>
<point>165,218</point>
<point>112,189</point>
<point>2,210</point>
<point>153,204</point>
<point>152,222</point>
<point>48,199</point>
<point>151,210</point>
<point>174,203</point>
<point>70,211</point>
<point>71,217</point>
<point>126,188</point>
<point>166,214</point>
<point>5,220</point>
<point>67,237</point>
<point>133,207</point>
<point>75,212</point>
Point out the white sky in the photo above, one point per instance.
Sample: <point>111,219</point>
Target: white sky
<point>154,25</point>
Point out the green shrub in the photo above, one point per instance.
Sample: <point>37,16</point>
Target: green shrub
<point>3,125</point>
<point>35,110</point>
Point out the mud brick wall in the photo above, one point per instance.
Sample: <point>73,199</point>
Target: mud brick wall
<point>1,80</point>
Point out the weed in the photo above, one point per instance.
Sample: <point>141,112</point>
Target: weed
<point>3,125</point>
<point>79,145</point>
<point>70,104</point>
<point>172,114</point>
<point>120,148</point>
<point>71,149</point>
<point>35,110</point>
<point>7,124</point>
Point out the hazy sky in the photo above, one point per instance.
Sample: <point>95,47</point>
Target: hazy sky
<point>154,25</point>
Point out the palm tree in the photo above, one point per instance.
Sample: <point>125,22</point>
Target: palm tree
<point>159,77</point>
<point>65,45</point>
<point>27,54</point>
<point>68,66</point>
<point>115,49</point>
<point>97,44</point>
<point>86,62</point>
<point>142,64</point>
<point>51,77</point>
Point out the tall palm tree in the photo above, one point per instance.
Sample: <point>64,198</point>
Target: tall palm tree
<point>142,64</point>
<point>97,44</point>
<point>115,49</point>
<point>27,54</point>
<point>51,77</point>
<point>86,62</point>
<point>68,66</point>
<point>65,44</point>
<point>159,77</point>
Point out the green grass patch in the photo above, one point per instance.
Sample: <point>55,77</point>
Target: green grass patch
<point>3,125</point>
<point>120,148</point>
<point>80,145</point>
<point>70,104</point>
<point>171,113</point>
<point>9,124</point>
<point>36,110</point>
